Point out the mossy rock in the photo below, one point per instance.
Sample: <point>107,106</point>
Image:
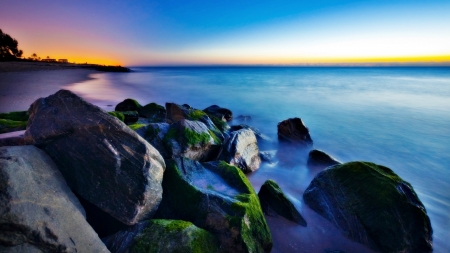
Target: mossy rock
<point>372,205</point>
<point>167,236</point>
<point>219,112</point>
<point>273,199</point>
<point>15,116</point>
<point>118,115</point>
<point>154,112</point>
<point>7,125</point>
<point>219,198</point>
<point>154,134</point>
<point>192,139</point>
<point>128,104</point>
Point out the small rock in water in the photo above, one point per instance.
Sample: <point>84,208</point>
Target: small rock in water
<point>241,150</point>
<point>294,131</point>
<point>219,112</point>
<point>320,159</point>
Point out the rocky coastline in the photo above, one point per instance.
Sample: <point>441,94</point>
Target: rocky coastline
<point>173,180</point>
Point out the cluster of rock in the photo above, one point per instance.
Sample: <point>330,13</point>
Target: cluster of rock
<point>172,179</point>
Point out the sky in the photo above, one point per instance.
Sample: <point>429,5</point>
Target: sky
<point>201,32</point>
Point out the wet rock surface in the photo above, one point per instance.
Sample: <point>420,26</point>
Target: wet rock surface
<point>319,159</point>
<point>294,131</point>
<point>38,212</point>
<point>274,201</point>
<point>101,158</point>
<point>154,112</point>
<point>241,150</point>
<point>128,105</point>
<point>218,198</point>
<point>219,112</point>
<point>371,205</point>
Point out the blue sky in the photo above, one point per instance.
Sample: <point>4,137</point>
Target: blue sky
<point>230,32</point>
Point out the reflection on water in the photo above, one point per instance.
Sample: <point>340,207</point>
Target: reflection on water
<point>397,117</point>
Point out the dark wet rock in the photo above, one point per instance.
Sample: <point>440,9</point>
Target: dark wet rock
<point>130,117</point>
<point>268,156</point>
<point>154,112</point>
<point>219,112</point>
<point>38,212</point>
<point>193,140</point>
<point>101,158</point>
<point>259,135</point>
<point>320,159</point>
<point>370,204</point>
<point>163,236</point>
<point>294,131</point>
<point>128,105</point>
<point>274,201</point>
<point>154,133</point>
<point>241,150</point>
<point>218,198</point>
<point>175,112</point>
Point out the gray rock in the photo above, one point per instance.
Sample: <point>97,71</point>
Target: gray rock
<point>241,150</point>
<point>371,205</point>
<point>273,200</point>
<point>101,158</point>
<point>219,198</point>
<point>193,140</point>
<point>38,212</point>
<point>163,236</point>
<point>294,131</point>
<point>259,135</point>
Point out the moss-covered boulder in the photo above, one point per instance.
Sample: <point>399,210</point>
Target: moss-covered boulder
<point>127,105</point>
<point>294,131</point>
<point>129,117</point>
<point>154,112</point>
<point>241,150</point>
<point>274,202</point>
<point>219,198</point>
<point>163,236</point>
<point>154,133</point>
<point>372,205</point>
<point>193,140</point>
<point>219,112</point>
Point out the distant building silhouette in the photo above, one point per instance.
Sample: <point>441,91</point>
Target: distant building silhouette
<point>63,60</point>
<point>49,60</point>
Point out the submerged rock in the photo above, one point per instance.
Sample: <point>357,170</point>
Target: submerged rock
<point>128,105</point>
<point>241,150</point>
<point>154,112</point>
<point>273,200</point>
<point>370,204</point>
<point>320,159</point>
<point>219,112</point>
<point>163,236</point>
<point>217,197</point>
<point>193,140</point>
<point>100,157</point>
<point>38,212</point>
<point>294,131</point>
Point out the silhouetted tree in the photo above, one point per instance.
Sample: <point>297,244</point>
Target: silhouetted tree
<point>8,47</point>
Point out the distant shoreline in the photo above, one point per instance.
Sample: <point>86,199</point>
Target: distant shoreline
<point>23,66</point>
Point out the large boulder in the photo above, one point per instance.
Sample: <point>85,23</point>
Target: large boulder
<point>241,150</point>
<point>294,131</point>
<point>101,158</point>
<point>154,112</point>
<point>193,140</point>
<point>38,212</point>
<point>163,236</point>
<point>319,159</point>
<point>274,202</point>
<point>370,204</point>
<point>128,104</point>
<point>219,198</point>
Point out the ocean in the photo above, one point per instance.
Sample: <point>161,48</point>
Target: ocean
<point>398,117</point>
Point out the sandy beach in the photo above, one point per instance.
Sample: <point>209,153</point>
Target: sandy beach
<point>21,83</point>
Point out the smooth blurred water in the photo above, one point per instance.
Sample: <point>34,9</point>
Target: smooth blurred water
<point>397,117</point>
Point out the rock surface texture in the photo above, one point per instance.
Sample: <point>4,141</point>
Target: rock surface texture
<point>128,105</point>
<point>241,150</point>
<point>219,112</point>
<point>273,200</point>
<point>38,212</point>
<point>217,197</point>
<point>163,236</point>
<point>370,204</point>
<point>294,131</point>
<point>101,158</point>
<point>154,133</point>
<point>154,112</point>
<point>320,159</point>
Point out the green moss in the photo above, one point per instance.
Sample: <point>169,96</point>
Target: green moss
<point>220,124</point>
<point>196,115</point>
<point>170,135</point>
<point>151,132</point>
<point>118,115</point>
<point>194,138</point>
<point>7,125</point>
<point>232,175</point>
<point>15,116</point>
<point>215,138</point>
<point>134,127</point>
<point>134,102</point>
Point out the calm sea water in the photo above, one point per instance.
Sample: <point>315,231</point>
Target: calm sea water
<point>397,117</point>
